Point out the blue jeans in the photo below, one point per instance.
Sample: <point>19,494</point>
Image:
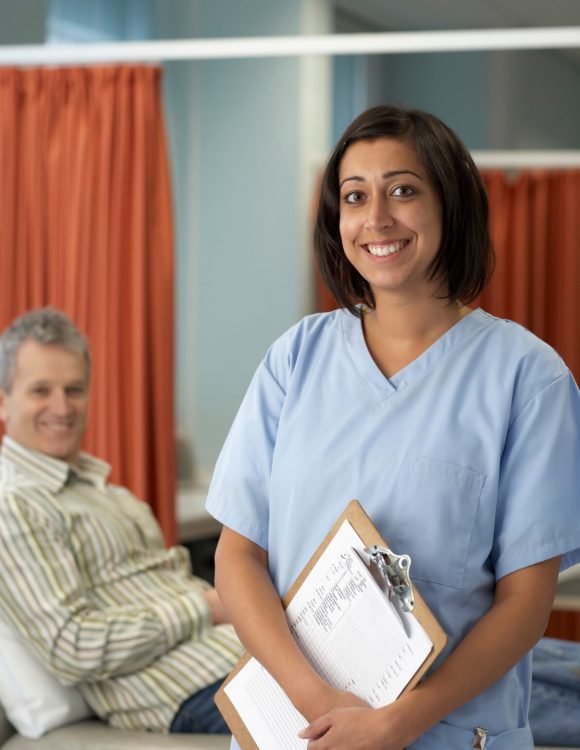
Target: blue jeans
<point>555,702</point>
<point>199,714</point>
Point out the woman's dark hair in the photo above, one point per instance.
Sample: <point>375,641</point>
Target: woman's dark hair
<point>465,259</point>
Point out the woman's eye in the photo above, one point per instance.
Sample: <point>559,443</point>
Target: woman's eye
<point>354,197</point>
<point>403,191</point>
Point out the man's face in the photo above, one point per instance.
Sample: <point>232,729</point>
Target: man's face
<point>46,409</point>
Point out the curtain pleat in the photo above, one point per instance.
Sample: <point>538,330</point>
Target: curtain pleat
<point>535,226</point>
<point>86,225</point>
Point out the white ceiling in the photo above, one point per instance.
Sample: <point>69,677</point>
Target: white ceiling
<point>418,15</point>
<point>437,15</point>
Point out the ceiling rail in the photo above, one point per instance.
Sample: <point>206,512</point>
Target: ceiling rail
<point>522,159</point>
<point>398,42</point>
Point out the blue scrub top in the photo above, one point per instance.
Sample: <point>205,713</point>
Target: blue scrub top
<point>468,459</point>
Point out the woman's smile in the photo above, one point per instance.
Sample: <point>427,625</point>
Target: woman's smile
<point>384,250</point>
<point>390,217</point>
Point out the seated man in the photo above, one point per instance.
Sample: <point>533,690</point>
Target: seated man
<point>86,578</point>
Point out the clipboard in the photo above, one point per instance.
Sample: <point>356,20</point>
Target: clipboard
<point>364,527</point>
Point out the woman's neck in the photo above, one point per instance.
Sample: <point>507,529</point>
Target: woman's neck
<point>397,332</point>
<point>400,319</point>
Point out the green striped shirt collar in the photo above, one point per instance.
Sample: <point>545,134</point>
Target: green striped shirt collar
<point>52,472</point>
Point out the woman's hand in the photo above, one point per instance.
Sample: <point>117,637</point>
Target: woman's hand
<point>356,728</point>
<point>319,699</point>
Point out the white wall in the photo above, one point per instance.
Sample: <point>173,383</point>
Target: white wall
<point>245,140</point>
<point>493,100</point>
<point>534,101</point>
<point>453,86</point>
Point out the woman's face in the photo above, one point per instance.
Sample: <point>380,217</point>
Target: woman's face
<point>390,217</point>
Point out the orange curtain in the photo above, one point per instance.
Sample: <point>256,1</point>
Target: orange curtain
<point>535,226</point>
<point>86,225</point>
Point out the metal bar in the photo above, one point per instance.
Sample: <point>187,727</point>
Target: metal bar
<point>291,46</point>
<point>527,159</point>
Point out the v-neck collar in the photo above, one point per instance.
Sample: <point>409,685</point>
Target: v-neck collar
<point>386,387</point>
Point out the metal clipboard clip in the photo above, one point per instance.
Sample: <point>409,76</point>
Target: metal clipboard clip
<point>479,738</point>
<point>393,570</point>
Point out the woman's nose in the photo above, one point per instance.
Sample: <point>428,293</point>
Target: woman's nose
<point>379,215</point>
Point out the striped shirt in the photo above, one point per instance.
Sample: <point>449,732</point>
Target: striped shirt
<point>87,580</point>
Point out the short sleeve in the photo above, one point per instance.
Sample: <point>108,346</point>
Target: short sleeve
<point>538,514</point>
<point>238,496</point>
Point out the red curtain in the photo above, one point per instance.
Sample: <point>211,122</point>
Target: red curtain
<point>86,225</point>
<point>535,226</point>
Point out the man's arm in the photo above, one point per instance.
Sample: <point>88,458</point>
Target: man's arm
<point>43,596</point>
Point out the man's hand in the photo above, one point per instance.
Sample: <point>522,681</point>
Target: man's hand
<point>219,616</point>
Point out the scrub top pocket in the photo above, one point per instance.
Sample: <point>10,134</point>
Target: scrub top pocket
<point>440,506</point>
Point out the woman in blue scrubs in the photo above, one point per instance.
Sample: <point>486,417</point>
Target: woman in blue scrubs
<point>458,432</point>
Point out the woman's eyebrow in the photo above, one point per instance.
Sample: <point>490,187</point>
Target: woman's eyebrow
<point>386,176</point>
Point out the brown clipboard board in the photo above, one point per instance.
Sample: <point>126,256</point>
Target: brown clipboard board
<point>365,528</point>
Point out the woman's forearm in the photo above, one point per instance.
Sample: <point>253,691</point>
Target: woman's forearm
<point>255,609</point>
<point>498,641</point>
<point>516,621</point>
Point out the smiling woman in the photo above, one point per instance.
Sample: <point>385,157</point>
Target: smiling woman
<point>412,231</point>
<point>458,433</point>
<point>390,217</point>
<point>437,168</point>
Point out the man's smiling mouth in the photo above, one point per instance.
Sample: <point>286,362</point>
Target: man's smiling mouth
<point>57,426</point>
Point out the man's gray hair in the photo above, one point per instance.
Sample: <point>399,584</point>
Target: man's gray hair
<point>46,325</point>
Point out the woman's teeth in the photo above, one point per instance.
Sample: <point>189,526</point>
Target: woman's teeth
<point>383,250</point>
